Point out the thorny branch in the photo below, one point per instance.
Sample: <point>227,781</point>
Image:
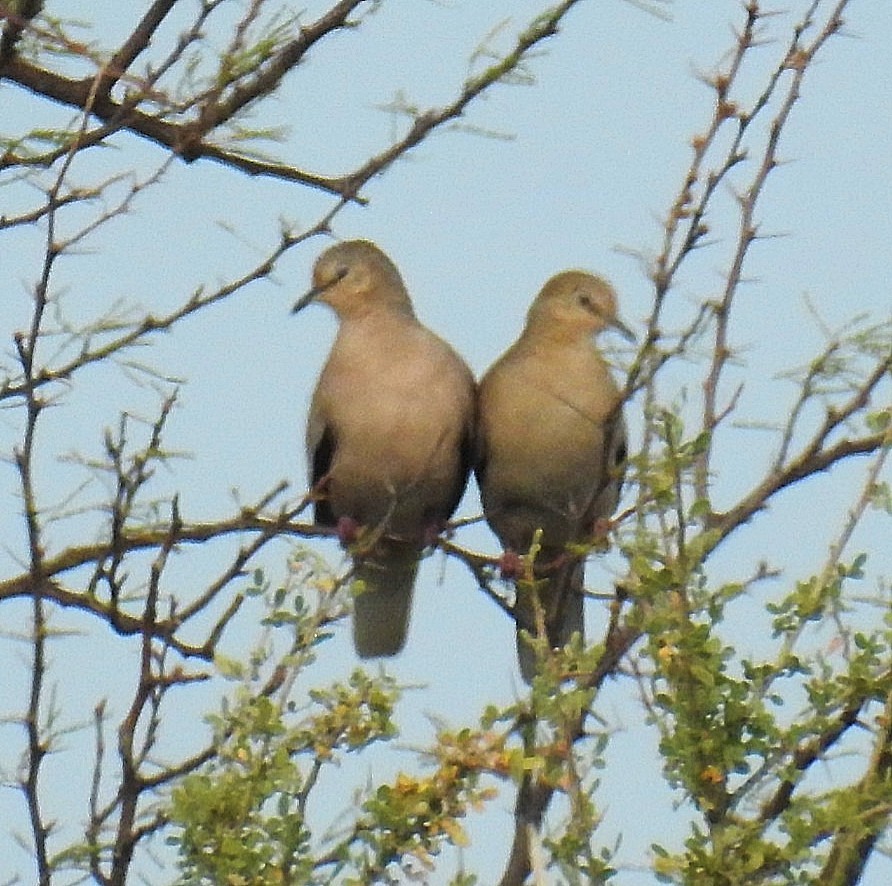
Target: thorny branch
<point>816,456</point>
<point>798,60</point>
<point>685,230</point>
<point>150,324</point>
<point>189,138</point>
<point>534,793</point>
<point>122,100</point>
<point>39,739</point>
<point>148,693</point>
<point>129,541</point>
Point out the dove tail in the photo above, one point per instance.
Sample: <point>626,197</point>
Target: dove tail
<point>383,602</point>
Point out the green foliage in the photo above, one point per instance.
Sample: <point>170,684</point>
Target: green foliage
<point>731,743</point>
<point>747,739</point>
<point>740,736</point>
<point>241,819</point>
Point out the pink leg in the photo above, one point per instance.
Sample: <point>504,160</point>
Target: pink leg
<point>431,534</point>
<point>510,565</point>
<point>348,530</point>
<point>601,528</point>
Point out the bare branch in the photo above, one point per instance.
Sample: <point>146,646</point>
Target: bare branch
<point>17,20</point>
<point>134,45</point>
<point>815,456</point>
<point>541,28</point>
<point>807,754</point>
<point>187,139</point>
<point>150,325</point>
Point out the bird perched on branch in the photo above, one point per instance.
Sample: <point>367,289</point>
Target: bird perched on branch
<point>550,453</point>
<point>389,435</point>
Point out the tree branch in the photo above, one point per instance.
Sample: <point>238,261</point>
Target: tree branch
<point>534,793</point>
<point>853,844</point>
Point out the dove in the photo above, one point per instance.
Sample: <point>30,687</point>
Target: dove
<point>389,437</point>
<point>551,449</point>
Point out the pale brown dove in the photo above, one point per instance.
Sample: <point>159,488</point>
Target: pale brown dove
<point>551,447</point>
<point>389,435</point>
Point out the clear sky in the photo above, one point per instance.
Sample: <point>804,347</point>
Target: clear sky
<point>587,160</point>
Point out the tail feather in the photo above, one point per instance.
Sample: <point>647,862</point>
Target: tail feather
<point>382,606</point>
<point>562,603</point>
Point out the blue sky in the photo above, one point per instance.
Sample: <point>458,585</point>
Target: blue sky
<point>587,160</point>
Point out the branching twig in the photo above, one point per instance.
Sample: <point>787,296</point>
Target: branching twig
<point>188,139</point>
<point>814,458</point>
<point>151,325</point>
<point>853,845</point>
<point>534,793</point>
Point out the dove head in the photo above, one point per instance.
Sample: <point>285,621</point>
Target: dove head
<point>354,278</point>
<point>575,303</point>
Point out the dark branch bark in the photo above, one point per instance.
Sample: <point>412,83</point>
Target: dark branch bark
<point>852,845</point>
<point>133,46</point>
<point>15,26</point>
<point>808,464</point>
<point>180,138</point>
<point>187,139</point>
<point>534,794</point>
<point>809,753</point>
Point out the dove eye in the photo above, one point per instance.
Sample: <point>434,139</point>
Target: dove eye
<point>335,278</point>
